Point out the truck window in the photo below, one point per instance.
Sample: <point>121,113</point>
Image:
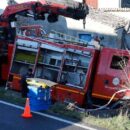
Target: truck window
<point>119,62</point>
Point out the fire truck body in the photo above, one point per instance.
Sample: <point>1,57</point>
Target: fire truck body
<point>108,73</point>
<point>80,73</point>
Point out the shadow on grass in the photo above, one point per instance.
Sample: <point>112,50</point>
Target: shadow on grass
<point>11,96</point>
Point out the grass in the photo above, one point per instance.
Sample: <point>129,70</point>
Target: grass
<point>61,109</point>
<point>12,97</point>
<point>117,122</point>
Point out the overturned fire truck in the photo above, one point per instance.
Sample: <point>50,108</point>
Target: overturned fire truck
<point>80,73</point>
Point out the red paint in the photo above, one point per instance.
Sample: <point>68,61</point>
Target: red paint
<point>62,93</point>
<point>35,29</point>
<point>16,82</point>
<point>105,73</point>
<point>92,3</point>
<point>6,66</point>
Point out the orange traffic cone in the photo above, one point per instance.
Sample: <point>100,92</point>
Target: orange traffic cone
<point>27,113</point>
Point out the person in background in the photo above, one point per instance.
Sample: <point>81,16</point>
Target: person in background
<point>96,41</point>
<point>24,88</point>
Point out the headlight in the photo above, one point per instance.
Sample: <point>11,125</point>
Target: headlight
<point>116,81</point>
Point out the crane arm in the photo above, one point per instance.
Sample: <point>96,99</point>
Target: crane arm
<point>40,8</point>
<point>13,10</point>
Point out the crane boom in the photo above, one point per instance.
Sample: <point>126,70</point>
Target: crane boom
<point>40,8</point>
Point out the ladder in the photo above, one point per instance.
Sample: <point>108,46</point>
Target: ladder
<point>70,3</point>
<point>61,67</point>
<point>65,38</point>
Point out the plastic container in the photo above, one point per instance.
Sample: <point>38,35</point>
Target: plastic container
<point>39,97</point>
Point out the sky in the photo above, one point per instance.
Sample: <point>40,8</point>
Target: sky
<point>3,4</point>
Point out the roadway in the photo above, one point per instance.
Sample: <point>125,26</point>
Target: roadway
<point>10,119</point>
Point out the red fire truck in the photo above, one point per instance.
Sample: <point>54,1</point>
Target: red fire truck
<point>80,73</point>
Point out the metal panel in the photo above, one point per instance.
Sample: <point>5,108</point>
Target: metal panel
<point>50,47</point>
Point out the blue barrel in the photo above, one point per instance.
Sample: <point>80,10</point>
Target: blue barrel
<point>40,98</point>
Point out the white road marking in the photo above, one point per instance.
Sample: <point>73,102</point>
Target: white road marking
<point>50,116</point>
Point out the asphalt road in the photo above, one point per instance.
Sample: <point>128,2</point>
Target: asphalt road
<point>10,119</point>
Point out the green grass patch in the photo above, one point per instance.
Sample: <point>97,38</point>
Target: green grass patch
<point>11,96</point>
<point>61,109</point>
<point>118,122</point>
